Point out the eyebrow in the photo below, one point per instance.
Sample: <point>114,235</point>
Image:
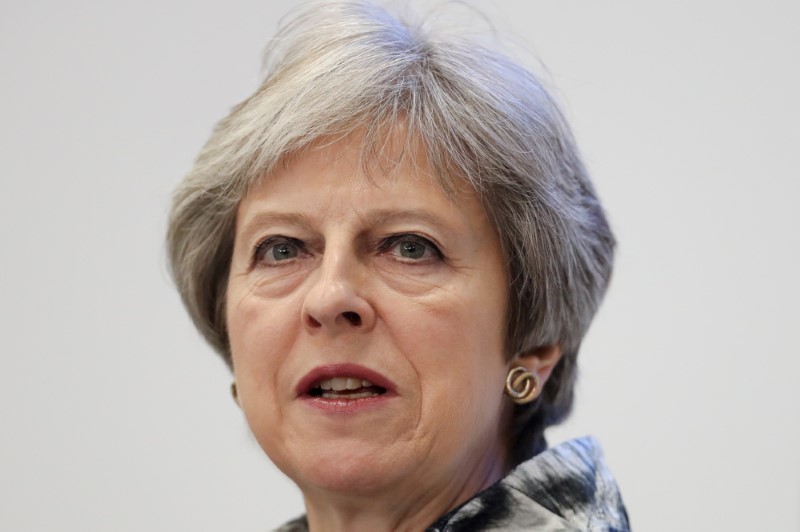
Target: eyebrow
<point>369,219</point>
<point>273,218</point>
<point>386,216</point>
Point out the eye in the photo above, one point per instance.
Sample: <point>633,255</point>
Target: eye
<point>411,248</point>
<point>277,249</point>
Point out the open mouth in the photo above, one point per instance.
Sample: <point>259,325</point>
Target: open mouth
<point>345,388</point>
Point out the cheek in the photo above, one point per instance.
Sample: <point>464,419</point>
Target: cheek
<point>261,334</point>
<point>456,347</point>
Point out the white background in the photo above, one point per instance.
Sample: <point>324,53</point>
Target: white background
<point>115,416</point>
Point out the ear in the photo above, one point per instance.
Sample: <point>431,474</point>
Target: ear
<point>541,361</point>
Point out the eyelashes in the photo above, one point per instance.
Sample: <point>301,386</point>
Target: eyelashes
<point>406,248</point>
<point>410,248</point>
<point>275,249</point>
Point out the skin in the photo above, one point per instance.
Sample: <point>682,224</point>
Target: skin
<point>317,243</point>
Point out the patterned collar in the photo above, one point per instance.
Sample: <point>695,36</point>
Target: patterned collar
<point>567,487</point>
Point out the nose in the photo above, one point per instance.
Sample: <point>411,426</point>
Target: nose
<point>336,302</point>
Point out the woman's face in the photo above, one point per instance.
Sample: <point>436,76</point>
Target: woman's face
<point>366,320</point>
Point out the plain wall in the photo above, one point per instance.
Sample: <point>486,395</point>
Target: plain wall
<point>116,416</point>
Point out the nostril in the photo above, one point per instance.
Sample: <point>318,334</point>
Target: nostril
<point>312,322</point>
<point>352,317</point>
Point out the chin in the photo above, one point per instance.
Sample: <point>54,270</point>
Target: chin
<point>345,466</point>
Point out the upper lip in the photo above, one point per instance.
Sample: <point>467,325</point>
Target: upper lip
<point>329,371</point>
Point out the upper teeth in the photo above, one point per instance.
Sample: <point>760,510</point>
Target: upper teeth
<point>344,383</point>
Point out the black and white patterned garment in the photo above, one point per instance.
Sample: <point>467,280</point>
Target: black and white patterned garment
<point>565,488</point>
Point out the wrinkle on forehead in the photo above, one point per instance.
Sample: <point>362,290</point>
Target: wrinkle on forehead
<point>388,153</point>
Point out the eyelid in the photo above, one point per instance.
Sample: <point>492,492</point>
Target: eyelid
<point>387,243</point>
<point>272,240</point>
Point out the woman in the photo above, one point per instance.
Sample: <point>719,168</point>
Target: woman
<point>394,245</point>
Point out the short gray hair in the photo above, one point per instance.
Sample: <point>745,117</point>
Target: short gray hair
<point>341,67</point>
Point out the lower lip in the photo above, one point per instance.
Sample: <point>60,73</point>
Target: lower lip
<point>342,405</point>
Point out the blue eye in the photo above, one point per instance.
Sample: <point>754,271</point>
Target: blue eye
<point>277,249</point>
<point>411,248</point>
<point>283,251</point>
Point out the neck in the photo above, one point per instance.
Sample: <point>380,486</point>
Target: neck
<point>411,505</point>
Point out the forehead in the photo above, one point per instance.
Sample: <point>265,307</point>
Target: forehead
<point>339,174</point>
